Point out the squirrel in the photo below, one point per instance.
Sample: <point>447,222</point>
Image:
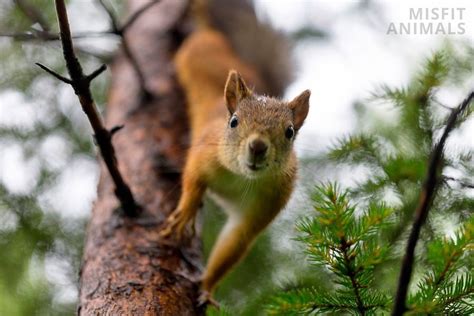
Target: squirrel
<point>241,152</point>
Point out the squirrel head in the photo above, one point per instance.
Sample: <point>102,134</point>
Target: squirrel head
<point>261,130</point>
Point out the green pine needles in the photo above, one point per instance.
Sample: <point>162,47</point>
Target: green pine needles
<point>447,287</point>
<point>357,236</point>
<point>348,243</point>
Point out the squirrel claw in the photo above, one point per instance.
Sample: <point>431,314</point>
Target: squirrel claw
<point>177,225</point>
<point>205,298</point>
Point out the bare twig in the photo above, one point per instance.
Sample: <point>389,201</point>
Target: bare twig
<point>80,83</point>
<point>460,182</point>
<point>55,74</point>
<point>47,36</point>
<point>136,15</point>
<point>96,72</point>
<point>116,29</point>
<point>120,31</point>
<point>141,77</point>
<point>113,20</point>
<point>40,36</point>
<point>426,196</point>
<point>115,129</point>
<point>435,100</point>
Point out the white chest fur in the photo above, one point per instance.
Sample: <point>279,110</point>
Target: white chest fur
<point>237,194</point>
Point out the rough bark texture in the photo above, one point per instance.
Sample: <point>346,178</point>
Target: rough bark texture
<point>127,269</point>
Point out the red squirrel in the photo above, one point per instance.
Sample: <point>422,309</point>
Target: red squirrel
<point>241,152</point>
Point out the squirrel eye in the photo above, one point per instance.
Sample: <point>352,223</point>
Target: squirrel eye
<point>234,121</point>
<point>290,132</point>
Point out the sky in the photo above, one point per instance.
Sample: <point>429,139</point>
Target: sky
<point>361,52</point>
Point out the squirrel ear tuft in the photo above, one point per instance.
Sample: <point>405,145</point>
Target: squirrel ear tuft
<point>235,90</point>
<point>300,108</point>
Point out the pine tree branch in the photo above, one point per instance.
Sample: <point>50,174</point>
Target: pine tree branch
<point>344,246</point>
<point>81,85</point>
<point>316,307</point>
<point>458,297</point>
<point>423,208</point>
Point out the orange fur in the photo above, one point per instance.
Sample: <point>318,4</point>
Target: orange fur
<point>203,63</point>
<point>219,155</point>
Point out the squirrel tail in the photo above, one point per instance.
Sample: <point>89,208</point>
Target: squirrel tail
<point>256,42</point>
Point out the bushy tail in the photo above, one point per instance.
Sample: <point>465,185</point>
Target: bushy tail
<point>256,42</point>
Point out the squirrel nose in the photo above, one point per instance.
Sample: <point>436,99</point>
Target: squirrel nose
<point>258,148</point>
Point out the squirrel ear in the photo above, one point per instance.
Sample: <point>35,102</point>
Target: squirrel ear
<point>300,108</point>
<point>235,90</point>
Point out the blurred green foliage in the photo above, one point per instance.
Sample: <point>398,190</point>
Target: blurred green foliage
<point>351,247</point>
<point>40,248</point>
<point>393,151</point>
<point>394,148</point>
<point>36,238</point>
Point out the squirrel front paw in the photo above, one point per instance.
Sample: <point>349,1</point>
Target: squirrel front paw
<point>178,225</point>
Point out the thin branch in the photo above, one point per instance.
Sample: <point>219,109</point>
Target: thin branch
<point>442,104</point>
<point>141,77</point>
<point>116,29</point>
<point>423,208</point>
<point>136,15</point>
<point>442,276</point>
<point>115,129</point>
<point>113,20</point>
<point>47,36</point>
<point>348,307</point>
<point>55,74</point>
<point>460,182</point>
<point>80,84</point>
<point>352,276</point>
<point>459,296</point>
<point>95,73</point>
<point>120,31</point>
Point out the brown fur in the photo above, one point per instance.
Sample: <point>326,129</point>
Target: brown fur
<point>219,158</point>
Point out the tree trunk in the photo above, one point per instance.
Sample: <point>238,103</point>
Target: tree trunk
<point>127,269</point>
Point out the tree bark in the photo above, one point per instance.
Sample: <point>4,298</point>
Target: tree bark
<point>127,269</point>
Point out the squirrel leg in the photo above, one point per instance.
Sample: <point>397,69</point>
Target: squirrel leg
<point>184,215</point>
<point>232,245</point>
